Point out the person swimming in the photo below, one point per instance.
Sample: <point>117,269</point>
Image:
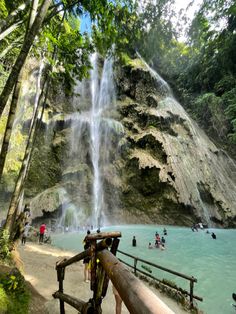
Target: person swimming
<point>150,245</point>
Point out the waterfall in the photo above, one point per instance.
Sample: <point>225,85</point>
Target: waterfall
<point>102,99</point>
<point>164,88</point>
<point>91,129</point>
<point>201,170</point>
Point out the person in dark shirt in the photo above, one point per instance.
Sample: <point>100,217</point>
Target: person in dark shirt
<point>134,242</point>
<point>213,236</point>
<point>86,260</point>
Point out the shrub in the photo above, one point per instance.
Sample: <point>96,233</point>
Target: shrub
<point>3,300</point>
<point>4,245</point>
<point>14,295</point>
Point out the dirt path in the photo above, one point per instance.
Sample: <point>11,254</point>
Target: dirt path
<point>39,269</point>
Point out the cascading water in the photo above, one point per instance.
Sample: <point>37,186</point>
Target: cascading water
<point>102,100</point>
<point>201,171</point>
<point>90,144</point>
<point>95,134</point>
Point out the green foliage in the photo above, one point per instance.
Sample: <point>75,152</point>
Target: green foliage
<point>10,283</point>
<point>125,59</point>
<point>15,294</point>
<point>202,71</point>
<point>4,245</point>
<point>3,300</point>
<point>3,77</point>
<point>210,114</point>
<point>157,32</point>
<point>3,9</point>
<point>66,48</point>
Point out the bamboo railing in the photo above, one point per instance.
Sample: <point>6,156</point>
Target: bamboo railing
<point>191,279</point>
<point>104,267</point>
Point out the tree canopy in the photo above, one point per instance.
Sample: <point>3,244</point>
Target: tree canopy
<point>201,70</point>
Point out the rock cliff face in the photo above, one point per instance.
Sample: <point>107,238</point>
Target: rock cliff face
<point>173,172</point>
<point>165,169</point>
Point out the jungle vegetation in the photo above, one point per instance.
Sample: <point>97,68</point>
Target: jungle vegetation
<point>201,69</point>
<point>50,31</point>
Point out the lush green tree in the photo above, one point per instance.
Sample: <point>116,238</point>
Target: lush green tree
<point>55,33</point>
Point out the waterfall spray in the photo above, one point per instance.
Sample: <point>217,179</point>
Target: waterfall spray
<point>91,130</point>
<point>102,98</point>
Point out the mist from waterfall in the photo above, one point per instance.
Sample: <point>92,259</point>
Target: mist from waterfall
<point>91,142</point>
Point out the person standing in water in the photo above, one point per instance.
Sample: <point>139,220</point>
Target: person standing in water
<point>213,236</point>
<point>134,242</point>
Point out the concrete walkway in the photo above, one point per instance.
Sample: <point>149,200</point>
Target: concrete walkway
<point>39,269</point>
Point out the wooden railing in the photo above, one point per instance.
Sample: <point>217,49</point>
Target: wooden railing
<point>104,267</point>
<point>191,279</point>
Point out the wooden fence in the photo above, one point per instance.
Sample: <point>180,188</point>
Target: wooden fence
<point>104,267</point>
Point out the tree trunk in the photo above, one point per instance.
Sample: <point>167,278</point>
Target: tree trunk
<point>29,39</point>
<point>12,18</point>
<point>33,13</point>
<point>11,117</point>
<point>12,211</point>
<point>15,98</point>
<point>10,29</point>
<point>9,125</point>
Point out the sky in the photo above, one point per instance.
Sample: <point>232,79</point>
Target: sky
<point>179,4</point>
<point>183,4</point>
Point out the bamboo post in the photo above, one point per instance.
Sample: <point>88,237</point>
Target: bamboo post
<point>93,264</point>
<point>113,250</point>
<point>136,296</point>
<point>60,278</point>
<point>97,295</point>
<point>191,293</point>
<point>135,266</point>
<point>78,304</point>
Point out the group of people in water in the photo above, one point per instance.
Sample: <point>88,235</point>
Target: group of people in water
<point>200,226</point>
<point>159,241</point>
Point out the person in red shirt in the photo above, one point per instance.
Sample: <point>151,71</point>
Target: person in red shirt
<point>42,230</point>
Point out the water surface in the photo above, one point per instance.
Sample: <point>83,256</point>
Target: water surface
<point>212,262</point>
